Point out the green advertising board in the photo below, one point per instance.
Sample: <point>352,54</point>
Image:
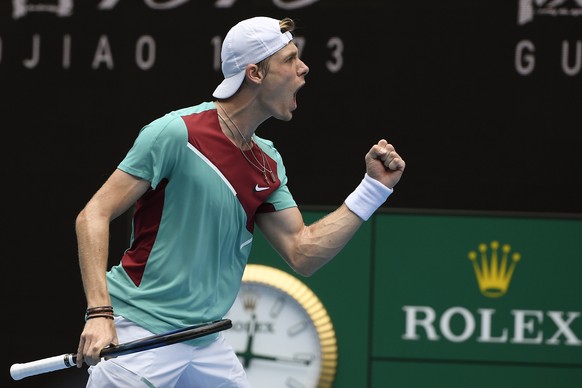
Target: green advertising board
<point>462,296</point>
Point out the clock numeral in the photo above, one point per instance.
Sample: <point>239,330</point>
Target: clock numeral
<point>297,328</point>
<point>304,358</point>
<point>277,307</point>
<point>293,383</point>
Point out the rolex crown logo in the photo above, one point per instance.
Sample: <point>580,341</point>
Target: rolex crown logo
<point>249,301</point>
<point>494,271</point>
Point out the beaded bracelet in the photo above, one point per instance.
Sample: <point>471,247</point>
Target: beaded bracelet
<point>92,309</point>
<point>108,316</point>
<point>98,312</point>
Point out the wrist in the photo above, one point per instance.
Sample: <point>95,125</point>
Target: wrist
<point>367,197</point>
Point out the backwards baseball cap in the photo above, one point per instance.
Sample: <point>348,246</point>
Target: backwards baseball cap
<point>248,42</point>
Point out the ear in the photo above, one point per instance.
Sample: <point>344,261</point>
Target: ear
<point>253,74</point>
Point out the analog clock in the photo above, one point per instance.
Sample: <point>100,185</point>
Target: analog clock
<point>281,332</point>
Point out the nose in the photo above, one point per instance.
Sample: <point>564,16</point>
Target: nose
<point>303,68</point>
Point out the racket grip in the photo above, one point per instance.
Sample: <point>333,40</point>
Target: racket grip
<point>33,368</point>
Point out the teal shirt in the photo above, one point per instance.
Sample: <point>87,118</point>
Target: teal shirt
<point>192,231</point>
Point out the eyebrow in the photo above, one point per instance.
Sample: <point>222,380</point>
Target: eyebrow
<point>293,53</point>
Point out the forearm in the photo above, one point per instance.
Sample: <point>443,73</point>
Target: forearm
<point>93,247</point>
<point>93,244</point>
<point>323,240</point>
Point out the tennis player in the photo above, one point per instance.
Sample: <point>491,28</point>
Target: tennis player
<point>199,180</point>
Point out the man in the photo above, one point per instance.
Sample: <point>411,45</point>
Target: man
<point>199,180</point>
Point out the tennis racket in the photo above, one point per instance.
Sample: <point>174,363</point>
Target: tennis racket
<point>63,361</point>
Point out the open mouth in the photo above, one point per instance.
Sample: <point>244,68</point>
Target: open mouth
<point>295,95</point>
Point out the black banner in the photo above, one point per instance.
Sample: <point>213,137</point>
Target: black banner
<point>483,100</point>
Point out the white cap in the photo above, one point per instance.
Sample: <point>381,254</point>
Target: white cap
<point>248,42</point>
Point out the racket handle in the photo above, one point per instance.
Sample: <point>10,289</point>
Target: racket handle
<point>33,368</point>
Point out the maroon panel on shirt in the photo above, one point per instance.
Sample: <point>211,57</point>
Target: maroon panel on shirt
<point>146,223</point>
<point>252,190</point>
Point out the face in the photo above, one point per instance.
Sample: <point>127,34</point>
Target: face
<point>286,75</point>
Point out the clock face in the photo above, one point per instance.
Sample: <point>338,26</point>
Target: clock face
<point>281,332</point>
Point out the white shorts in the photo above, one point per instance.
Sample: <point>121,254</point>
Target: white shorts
<point>172,366</point>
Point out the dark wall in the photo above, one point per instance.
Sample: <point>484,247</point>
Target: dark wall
<point>482,99</point>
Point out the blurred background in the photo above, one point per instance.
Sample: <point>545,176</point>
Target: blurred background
<point>483,99</point>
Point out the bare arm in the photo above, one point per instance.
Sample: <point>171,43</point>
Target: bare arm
<point>308,248</point>
<point>118,193</point>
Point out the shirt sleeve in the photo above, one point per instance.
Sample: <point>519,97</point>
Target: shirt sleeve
<point>281,198</point>
<point>155,150</point>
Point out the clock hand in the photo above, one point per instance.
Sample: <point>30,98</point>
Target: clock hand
<point>296,359</point>
<point>247,355</point>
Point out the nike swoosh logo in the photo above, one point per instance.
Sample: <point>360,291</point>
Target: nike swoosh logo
<point>259,188</point>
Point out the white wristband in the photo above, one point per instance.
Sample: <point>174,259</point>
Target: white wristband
<point>367,197</point>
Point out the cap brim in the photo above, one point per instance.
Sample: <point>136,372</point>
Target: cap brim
<point>229,86</point>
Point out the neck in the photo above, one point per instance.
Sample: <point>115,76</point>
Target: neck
<point>233,132</point>
<point>246,112</point>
